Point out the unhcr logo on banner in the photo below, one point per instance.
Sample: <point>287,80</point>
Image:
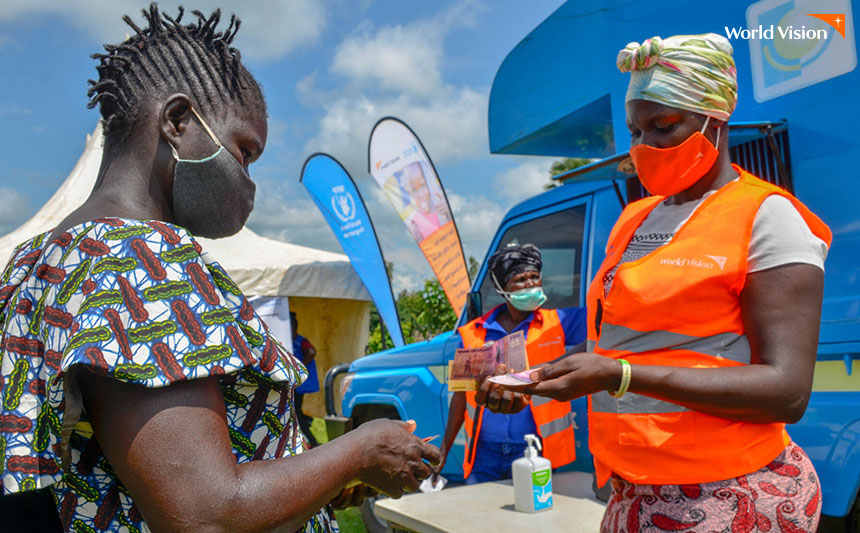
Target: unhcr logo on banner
<point>793,44</point>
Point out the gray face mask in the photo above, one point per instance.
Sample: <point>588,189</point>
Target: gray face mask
<point>213,196</point>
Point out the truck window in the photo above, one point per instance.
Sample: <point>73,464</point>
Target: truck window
<point>559,237</point>
<point>761,157</point>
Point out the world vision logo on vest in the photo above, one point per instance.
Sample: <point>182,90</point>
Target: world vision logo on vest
<point>796,43</point>
<point>708,263</point>
<point>554,340</point>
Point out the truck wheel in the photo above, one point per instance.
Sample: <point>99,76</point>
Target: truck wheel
<point>362,414</point>
<point>849,523</point>
<point>854,517</point>
<point>373,523</point>
<point>367,412</point>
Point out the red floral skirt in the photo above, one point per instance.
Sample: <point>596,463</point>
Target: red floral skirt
<point>784,496</point>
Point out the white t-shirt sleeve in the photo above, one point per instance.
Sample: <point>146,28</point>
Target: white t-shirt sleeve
<point>780,236</point>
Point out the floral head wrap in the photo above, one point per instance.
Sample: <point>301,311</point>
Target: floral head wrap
<point>692,72</point>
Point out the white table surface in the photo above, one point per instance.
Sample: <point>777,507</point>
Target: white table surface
<point>490,507</point>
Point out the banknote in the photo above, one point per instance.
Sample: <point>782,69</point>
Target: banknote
<point>514,379</point>
<point>471,366</point>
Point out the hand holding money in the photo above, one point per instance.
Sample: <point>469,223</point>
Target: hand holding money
<point>472,365</point>
<point>572,376</point>
<point>500,400</point>
<point>514,379</point>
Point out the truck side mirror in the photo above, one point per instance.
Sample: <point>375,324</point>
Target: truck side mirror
<point>474,306</point>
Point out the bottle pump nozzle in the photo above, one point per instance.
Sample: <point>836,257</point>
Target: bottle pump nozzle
<point>532,442</point>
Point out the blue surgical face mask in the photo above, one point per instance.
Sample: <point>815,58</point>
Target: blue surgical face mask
<point>526,300</point>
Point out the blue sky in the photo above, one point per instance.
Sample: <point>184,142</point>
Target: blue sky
<point>329,69</point>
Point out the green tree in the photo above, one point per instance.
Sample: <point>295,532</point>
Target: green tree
<point>423,315</point>
<point>564,165</point>
<point>434,313</point>
<point>474,265</point>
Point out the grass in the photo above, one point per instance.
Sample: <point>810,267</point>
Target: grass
<point>349,520</point>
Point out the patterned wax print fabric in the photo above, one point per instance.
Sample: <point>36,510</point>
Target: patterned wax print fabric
<point>783,496</point>
<point>692,72</point>
<point>138,301</point>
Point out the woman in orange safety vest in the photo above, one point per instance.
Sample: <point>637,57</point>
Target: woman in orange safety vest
<point>494,441</point>
<point>703,319</point>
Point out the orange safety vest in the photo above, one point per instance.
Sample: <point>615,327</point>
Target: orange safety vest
<point>554,420</point>
<point>680,306</point>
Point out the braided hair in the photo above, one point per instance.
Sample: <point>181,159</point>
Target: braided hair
<point>167,57</point>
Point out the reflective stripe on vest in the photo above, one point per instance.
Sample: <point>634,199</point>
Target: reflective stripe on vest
<point>632,403</point>
<point>554,420</point>
<point>473,412</point>
<point>680,306</point>
<point>731,346</point>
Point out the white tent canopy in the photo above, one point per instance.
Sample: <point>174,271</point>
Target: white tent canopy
<point>260,266</point>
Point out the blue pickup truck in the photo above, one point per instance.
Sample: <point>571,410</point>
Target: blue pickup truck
<point>799,134</point>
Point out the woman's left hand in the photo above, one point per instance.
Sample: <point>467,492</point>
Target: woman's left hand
<point>574,376</point>
<point>352,496</point>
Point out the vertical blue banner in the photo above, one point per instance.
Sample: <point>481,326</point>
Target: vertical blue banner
<point>337,198</point>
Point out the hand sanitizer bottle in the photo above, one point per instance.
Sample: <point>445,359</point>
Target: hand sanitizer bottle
<point>532,479</point>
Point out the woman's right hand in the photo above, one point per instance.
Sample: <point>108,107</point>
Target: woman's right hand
<point>394,458</point>
<point>575,375</point>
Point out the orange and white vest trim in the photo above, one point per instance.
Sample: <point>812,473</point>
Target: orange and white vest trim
<point>680,306</point>
<point>554,420</point>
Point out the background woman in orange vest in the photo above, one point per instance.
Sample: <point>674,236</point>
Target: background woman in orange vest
<point>494,441</point>
<point>703,319</point>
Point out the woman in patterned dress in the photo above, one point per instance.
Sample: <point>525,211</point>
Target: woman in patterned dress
<point>140,390</point>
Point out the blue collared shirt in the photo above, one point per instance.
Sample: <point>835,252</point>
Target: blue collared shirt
<point>513,428</point>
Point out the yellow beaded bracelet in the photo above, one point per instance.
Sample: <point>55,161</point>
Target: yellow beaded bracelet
<point>626,374</point>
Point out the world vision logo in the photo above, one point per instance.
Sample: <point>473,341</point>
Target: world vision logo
<point>715,260</point>
<point>837,21</point>
<point>790,32</point>
<point>718,259</point>
<point>795,44</point>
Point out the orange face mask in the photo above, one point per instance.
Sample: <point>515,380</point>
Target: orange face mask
<point>668,171</point>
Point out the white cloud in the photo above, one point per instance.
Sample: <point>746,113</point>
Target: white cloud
<point>397,58</point>
<point>14,209</point>
<point>410,268</point>
<point>524,180</point>
<point>270,28</point>
<point>452,125</point>
<point>403,58</point>
<point>397,70</point>
<point>478,218</point>
<point>284,211</point>
<point>288,214</point>
<point>13,109</point>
